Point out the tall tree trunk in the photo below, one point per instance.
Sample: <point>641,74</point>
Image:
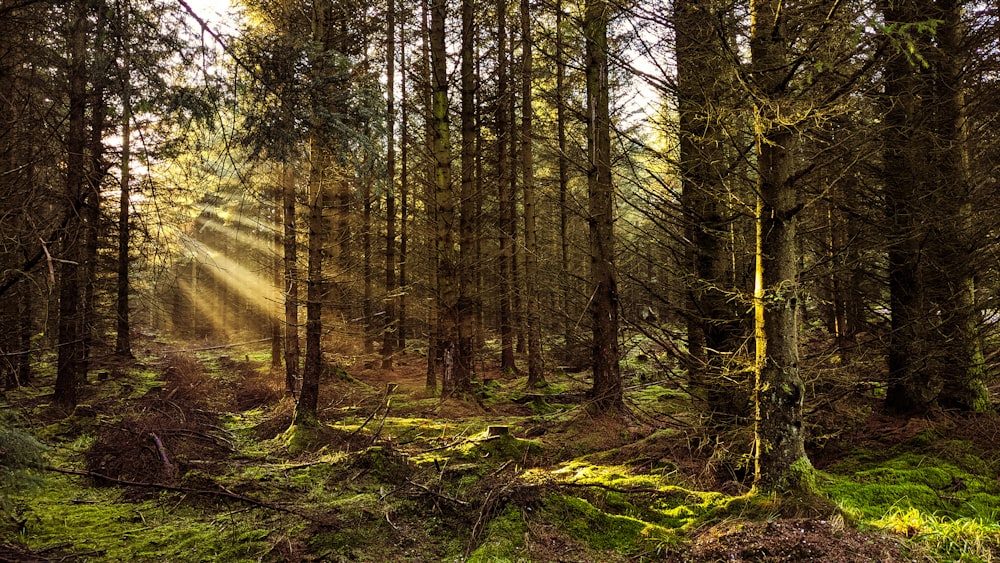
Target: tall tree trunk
<point>714,331</point>
<point>71,349</point>
<point>505,197</point>
<point>607,388</point>
<point>781,464</point>
<point>536,377</point>
<point>935,356</point>
<point>433,325</point>
<point>389,325</point>
<point>291,279</point>
<point>404,189</point>
<point>468,266</point>
<point>123,339</point>
<point>367,268</point>
<point>278,274</point>
<point>96,171</point>
<point>306,408</point>
<point>563,176</point>
<point>455,374</point>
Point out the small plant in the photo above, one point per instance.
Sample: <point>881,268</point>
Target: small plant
<point>959,539</point>
<point>19,455</point>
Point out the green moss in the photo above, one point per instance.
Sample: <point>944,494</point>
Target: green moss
<point>600,530</point>
<point>96,523</point>
<point>935,501</point>
<point>504,538</point>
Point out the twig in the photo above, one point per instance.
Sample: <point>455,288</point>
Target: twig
<point>381,423</point>
<point>162,450</point>
<point>221,492</point>
<point>424,488</point>
<point>383,401</point>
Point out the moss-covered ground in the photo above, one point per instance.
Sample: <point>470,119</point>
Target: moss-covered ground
<point>191,456</point>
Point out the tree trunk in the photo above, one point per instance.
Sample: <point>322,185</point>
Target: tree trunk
<point>607,387</point>
<point>404,189</point>
<point>70,349</point>
<point>389,324</point>
<point>305,409</point>
<point>123,340</point>
<point>536,378</point>
<point>291,279</point>
<point>704,76</point>
<point>567,324</point>
<point>467,263</point>
<point>781,464</point>
<point>505,197</point>
<point>935,356</point>
<point>455,373</point>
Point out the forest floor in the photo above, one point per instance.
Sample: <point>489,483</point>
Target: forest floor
<point>189,456</point>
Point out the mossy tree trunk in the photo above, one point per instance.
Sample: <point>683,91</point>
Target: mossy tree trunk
<point>505,195</point>
<point>71,307</point>
<point>781,464</point>
<point>389,325</point>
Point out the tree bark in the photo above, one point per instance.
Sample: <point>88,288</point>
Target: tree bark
<point>781,465</point>
<point>123,340</point>
<point>935,351</point>
<point>389,325</point>
<point>291,279</point>
<point>71,348</point>
<point>536,377</point>
<point>607,388</point>
<point>704,78</point>
<point>455,373</point>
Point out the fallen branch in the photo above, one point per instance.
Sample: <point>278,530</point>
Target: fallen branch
<point>424,488</point>
<point>220,492</point>
<point>218,347</point>
<point>169,467</point>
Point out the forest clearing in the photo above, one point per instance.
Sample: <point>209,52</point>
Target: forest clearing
<point>510,280</point>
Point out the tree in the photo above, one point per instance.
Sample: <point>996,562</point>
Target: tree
<point>465,308</point>
<point>72,309</point>
<point>705,81</point>
<point>607,387</point>
<point>935,354</point>
<point>780,460</point>
<point>505,196</point>
<point>123,340</point>
<point>449,305</point>
<point>535,365</point>
<point>390,324</point>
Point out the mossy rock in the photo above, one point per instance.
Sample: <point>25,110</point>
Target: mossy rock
<point>598,529</point>
<point>384,463</point>
<point>504,447</point>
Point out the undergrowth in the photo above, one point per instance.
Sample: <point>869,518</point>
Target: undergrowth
<point>389,473</point>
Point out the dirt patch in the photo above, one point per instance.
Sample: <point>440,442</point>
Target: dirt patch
<point>791,540</point>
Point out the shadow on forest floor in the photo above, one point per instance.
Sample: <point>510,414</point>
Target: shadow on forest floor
<point>188,456</point>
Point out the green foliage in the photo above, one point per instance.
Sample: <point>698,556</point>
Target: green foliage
<point>20,454</point>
